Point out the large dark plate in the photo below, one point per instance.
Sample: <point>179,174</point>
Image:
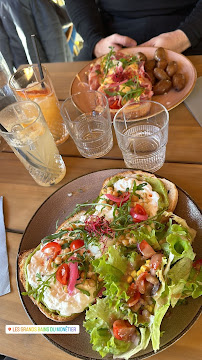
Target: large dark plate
<point>58,206</point>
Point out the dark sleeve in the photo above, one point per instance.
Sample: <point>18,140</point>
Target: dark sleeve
<point>86,18</point>
<point>192,26</point>
<point>49,30</point>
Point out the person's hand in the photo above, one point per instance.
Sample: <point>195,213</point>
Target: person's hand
<point>174,40</point>
<point>116,41</point>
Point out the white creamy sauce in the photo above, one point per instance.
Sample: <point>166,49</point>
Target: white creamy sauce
<point>37,264</point>
<point>98,251</point>
<point>102,210</point>
<point>55,298</point>
<point>149,198</point>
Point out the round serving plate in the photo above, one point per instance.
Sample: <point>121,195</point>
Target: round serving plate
<point>55,209</point>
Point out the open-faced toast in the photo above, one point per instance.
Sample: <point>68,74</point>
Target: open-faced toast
<point>37,265</point>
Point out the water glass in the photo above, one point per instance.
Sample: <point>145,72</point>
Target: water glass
<point>142,134</point>
<point>27,84</point>
<point>88,121</point>
<point>27,133</point>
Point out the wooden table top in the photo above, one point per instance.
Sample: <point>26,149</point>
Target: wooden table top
<point>22,197</point>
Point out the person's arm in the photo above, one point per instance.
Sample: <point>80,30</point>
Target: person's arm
<point>50,30</point>
<point>87,21</point>
<point>188,34</point>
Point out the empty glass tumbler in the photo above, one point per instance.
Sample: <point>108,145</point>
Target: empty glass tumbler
<point>88,120</point>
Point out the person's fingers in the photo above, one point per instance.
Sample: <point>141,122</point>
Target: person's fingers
<point>124,40</point>
<point>148,43</point>
<point>116,47</point>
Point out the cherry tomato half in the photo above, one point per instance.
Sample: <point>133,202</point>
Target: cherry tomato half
<point>114,105</point>
<point>138,213</point>
<point>76,244</point>
<point>134,295</point>
<point>197,264</point>
<point>123,330</point>
<point>146,250</point>
<point>51,249</point>
<point>62,274</point>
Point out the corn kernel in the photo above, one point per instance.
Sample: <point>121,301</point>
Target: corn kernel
<point>147,262</point>
<point>134,273</point>
<point>139,272</point>
<point>129,279</point>
<point>149,308</point>
<point>143,268</point>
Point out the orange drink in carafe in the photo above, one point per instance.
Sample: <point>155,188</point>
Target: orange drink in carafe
<point>28,85</point>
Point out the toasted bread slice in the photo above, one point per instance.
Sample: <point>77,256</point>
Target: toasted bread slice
<point>53,315</point>
<point>172,191</point>
<point>49,314</point>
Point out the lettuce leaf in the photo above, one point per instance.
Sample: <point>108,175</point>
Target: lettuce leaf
<point>143,233</point>
<point>159,187</point>
<point>193,286</point>
<point>98,324</point>
<point>178,275</point>
<point>178,242</point>
<point>144,341</point>
<point>111,266</point>
<point>160,310</point>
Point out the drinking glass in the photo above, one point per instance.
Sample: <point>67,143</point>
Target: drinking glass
<point>142,134</point>
<point>27,84</point>
<point>27,133</point>
<point>88,121</point>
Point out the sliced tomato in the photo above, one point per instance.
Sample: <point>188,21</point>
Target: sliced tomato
<point>51,249</point>
<point>156,261</point>
<point>123,330</point>
<point>146,250</point>
<point>138,213</point>
<point>62,274</point>
<point>119,200</point>
<point>114,105</point>
<point>197,264</point>
<point>134,295</point>
<point>76,244</point>
<point>140,282</point>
